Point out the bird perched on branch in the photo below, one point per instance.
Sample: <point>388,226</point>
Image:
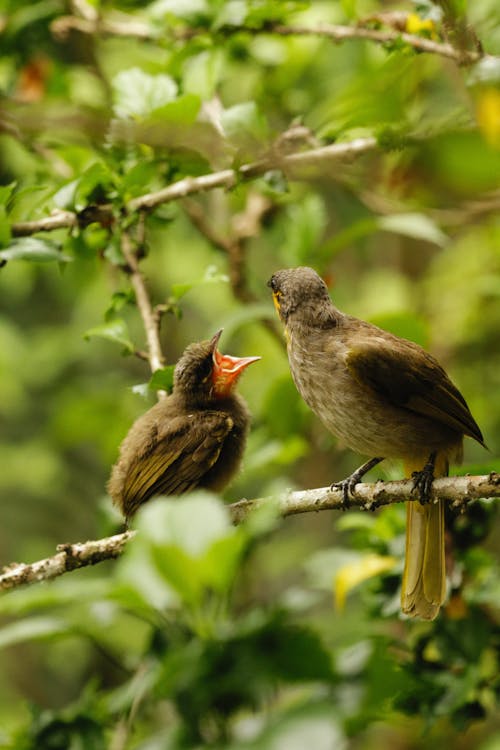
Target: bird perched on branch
<point>193,438</point>
<point>384,397</point>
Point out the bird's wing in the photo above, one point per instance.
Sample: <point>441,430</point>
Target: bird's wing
<point>179,456</point>
<point>407,377</point>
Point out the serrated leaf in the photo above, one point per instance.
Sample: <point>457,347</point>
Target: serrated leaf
<point>138,94</point>
<point>35,250</point>
<point>415,225</point>
<point>116,330</point>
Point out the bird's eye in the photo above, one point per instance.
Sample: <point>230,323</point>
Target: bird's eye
<point>272,283</point>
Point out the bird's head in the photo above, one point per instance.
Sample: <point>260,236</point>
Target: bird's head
<point>203,373</point>
<point>301,291</point>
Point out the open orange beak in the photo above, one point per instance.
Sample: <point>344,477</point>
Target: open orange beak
<point>226,369</point>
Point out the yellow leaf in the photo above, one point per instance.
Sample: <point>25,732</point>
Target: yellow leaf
<point>354,573</point>
<point>488,115</point>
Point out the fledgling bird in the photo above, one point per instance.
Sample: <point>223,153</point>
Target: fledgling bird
<point>384,397</point>
<point>193,438</point>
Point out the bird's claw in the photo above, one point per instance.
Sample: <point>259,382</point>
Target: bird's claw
<point>422,482</point>
<point>346,487</point>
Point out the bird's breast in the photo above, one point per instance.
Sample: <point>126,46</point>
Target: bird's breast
<point>352,411</point>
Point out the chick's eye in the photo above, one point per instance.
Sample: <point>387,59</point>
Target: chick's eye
<point>206,369</point>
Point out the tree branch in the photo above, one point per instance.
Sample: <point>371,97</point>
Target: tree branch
<point>458,491</point>
<point>57,220</point>
<point>336,32</point>
<point>150,316</point>
<point>227,178</point>
<point>339,33</point>
<point>69,557</point>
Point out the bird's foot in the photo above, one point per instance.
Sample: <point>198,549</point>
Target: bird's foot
<point>347,485</point>
<point>423,479</point>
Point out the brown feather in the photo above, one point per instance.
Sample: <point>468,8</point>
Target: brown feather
<point>193,438</point>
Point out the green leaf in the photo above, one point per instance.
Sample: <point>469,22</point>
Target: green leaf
<point>181,572</point>
<point>349,8</point>
<point>191,523</point>
<point>5,233</point>
<point>414,225</point>
<point>305,229</point>
<point>116,330</point>
<point>117,302</point>
<point>35,250</point>
<point>6,192</point>
<point>65,196</point>
<point>221,561</point>
<point>193,543</point>
<point>140,178</point>
<point>33,628</point>
<point>94,186</point>
<point>163,379</point>
<point>244,124</point>
<point>183,110</point>
<point>189,10</point>
<point>138,94</point>
<point>211,276</point>
<point>347,236</point>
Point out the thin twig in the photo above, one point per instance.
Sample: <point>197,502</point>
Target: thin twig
<point>458,491</point>
<point>125,26</point>
<point>150,316</point>
<point>338,33</point>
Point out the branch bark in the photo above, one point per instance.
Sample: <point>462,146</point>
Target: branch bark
<point>69,557</point>
<point>336,32</point>
<point>226,178</point>
<point>458,491</point>
<point>150,316</point>
<point>339,33</point>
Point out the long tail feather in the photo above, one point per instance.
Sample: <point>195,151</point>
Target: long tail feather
<point>424,578</point>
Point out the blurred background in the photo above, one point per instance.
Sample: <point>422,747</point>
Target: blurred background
<point>105,101</point>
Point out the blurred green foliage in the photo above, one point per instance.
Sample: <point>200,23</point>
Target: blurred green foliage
<point>203,634</point>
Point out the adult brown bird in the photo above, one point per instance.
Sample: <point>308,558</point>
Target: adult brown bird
<point>384,397</point>
<point>193,438</point>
